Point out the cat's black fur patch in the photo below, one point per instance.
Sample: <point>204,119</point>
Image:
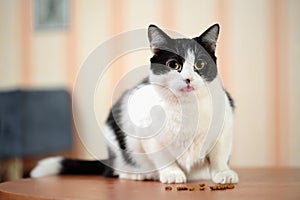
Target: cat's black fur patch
<point>158,61</point>
<point>113,121</point>
<point>210,72</point>
<point>230,99</point>
<point>70,166</point>
<point>145,81</point>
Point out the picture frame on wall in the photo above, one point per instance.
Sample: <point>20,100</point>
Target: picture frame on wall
<point>50,14</point>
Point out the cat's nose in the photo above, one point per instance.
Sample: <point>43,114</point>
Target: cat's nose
<point>188,80</point>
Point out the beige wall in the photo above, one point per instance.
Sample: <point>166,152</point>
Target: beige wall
<point>258,55</point>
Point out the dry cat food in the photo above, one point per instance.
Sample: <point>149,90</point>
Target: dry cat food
<point>202,184</point>
<point>201,187</point>
<point>182,188</point>
<point>222,186</point>
<point>168,188</point>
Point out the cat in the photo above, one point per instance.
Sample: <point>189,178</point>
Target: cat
<point>164,144</point>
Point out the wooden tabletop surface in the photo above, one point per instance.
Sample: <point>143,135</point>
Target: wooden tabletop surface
<point>282,183</point>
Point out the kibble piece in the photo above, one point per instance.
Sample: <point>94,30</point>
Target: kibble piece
<point>168,188</point>
<point>230,186</point>
<point>222,187</point>
<point>202,184</point>
<point>202,188</point>
<point>182,188</point>
<point>213,187</point>
<point>191,189</point>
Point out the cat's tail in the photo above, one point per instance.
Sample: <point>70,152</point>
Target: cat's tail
<point>60,165</point>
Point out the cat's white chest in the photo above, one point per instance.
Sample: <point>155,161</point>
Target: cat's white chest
<point>179,126</point>
<point>186,130</point>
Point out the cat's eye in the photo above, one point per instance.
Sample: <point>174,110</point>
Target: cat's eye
<point>173,64</point>
<point>200,64</point>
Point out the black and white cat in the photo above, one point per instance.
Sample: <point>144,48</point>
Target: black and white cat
<point>169,148</point>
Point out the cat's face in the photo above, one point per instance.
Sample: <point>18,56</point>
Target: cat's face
<point>183,65</point>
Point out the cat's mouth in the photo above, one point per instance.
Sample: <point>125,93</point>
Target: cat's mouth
<point>188,88</point>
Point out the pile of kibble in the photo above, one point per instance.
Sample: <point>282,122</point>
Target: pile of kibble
<point>201,187</point>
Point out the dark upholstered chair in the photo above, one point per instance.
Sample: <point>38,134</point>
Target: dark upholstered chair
<point>34,122</point>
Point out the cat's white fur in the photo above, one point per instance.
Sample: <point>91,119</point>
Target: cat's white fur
<point>46,167</point>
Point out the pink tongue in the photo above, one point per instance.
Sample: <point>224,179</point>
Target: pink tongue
<point>187,89</point>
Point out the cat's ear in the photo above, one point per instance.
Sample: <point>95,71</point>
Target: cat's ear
<point>157,38</point>
<point>208,39</point>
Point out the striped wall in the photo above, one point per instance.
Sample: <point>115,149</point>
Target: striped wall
<point>258,58</point>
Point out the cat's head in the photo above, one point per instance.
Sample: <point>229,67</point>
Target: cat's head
<point>183,65</point>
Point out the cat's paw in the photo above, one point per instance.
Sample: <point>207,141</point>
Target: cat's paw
<point>226,176</point>
<point>172,175</point>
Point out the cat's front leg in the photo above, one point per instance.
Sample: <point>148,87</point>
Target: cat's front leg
<point>166,165</point>
<point>219,158</point>
<point>172,174</point>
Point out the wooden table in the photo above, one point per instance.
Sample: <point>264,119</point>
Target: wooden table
<point>283,183</point>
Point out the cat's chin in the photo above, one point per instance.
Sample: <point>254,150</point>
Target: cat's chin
<point>187,89</point>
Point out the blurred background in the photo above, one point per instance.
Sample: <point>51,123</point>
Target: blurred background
<point>44,42</point>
